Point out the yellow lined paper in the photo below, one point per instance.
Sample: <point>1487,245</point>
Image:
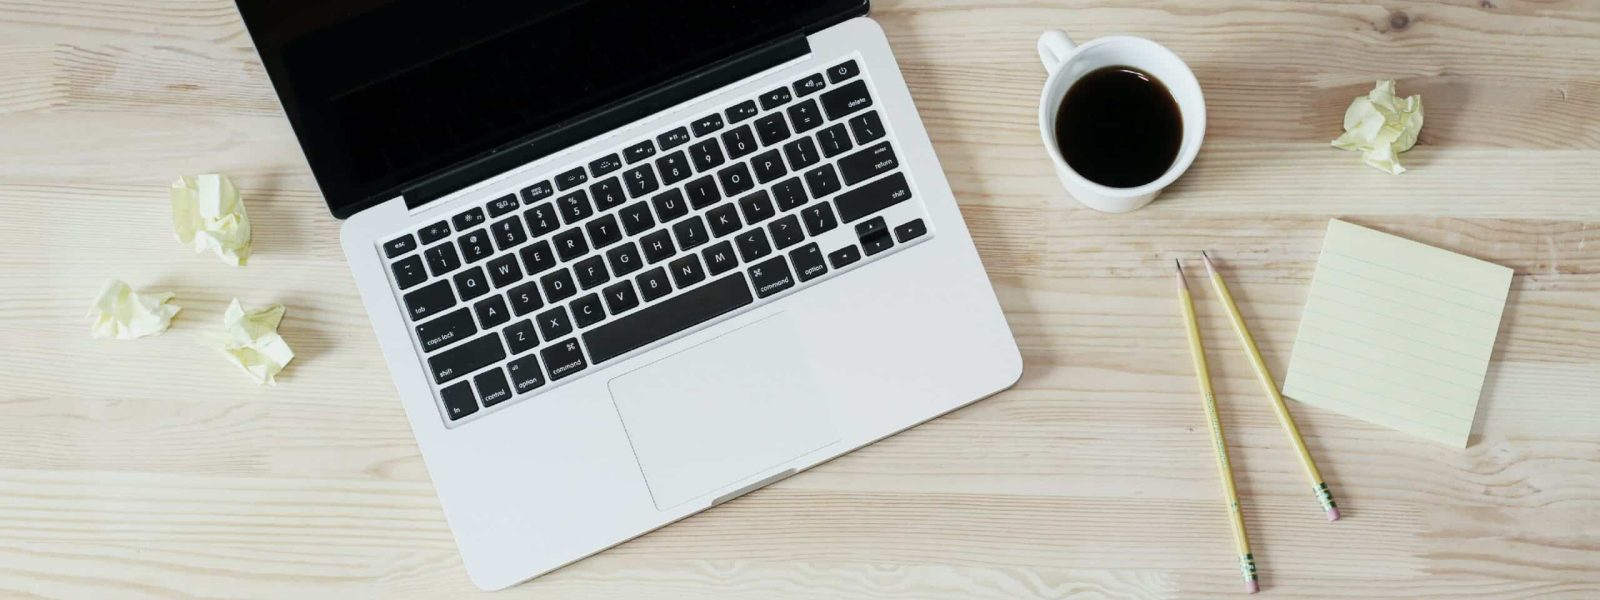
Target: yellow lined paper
<point>1397,333</point>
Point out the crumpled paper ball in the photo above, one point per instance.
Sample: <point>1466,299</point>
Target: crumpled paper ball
<point>120,313</point>
<point>1380,126</point>
<point>208,214</point>
<point>250,339</point>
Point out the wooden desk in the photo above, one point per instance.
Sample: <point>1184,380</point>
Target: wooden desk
<point>154,469</point>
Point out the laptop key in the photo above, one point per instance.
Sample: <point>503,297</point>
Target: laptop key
<point>742,111</point>
<point>537,192</point>
<point>808,262</point>
<point>399,245</point>
<point>719,258</point>
<point>835,140</point>
<point>591,272</point>
<point>771,277</point>
<point>686,271</point>
<point>434,232</point>
<point>757,207</point>
<point>670,205</point>
<point>724,220</point>
<point>574,207</point>
<point>504,271</point>
<point>775,98</point>
<point>525,298</point>
<point>541,219</point>
<point>457,362</point>
<point>641,180</point>
<point>804,116</point>
<point>492,388</point>
<point>736,179</point>
<point>877,242</point>
<point>739,141</point>
<point>867,164</point>
<point>564,359</point>
<point>603,231</point>
<point>430,300</point>
<point>502,205</point>
<point>538,257</point>
<point>525,374</point>
<point>603,165</point>
<point>753,245</point>
<point>653,284</point>
<point>707,155</point>
<point>785,232</point>
<point>819,219</point>
<point>844,257</point>
<point>446,330</point>
<point>471,283</point>
<point>910,231</point>
<point>706,124</point>
<point>468,220</point>
<point>823,181</point>
<point>636,218</point>
<point>846,100</point>
<point>522,337</point>
<point>571,179</point>
<point>702,192</point>
<point>867,127</point>
<point>768,166</point>
<point>873,197</point>
<point>570,244</point>
<point>772,129</point>
<point>587,311</point>
<point>871,227</point>
<point>408,272</point>
<point>657,246</point>
<point>620,297</point>
<point>554,323</point>
<point>673,139</point>
<point>508,233</point>
<point>674,168</point>
<point>607,194</point>
<point>442,259</point>
<point>558,286</point>
<point>790,194</point>
<point>458,400</point>
<point>843,71</point>
<point>492,311</point>
<point>639,151</point>
<point>691,233</point>
<point>802,153</point>
<point>625,259</point>
<point>475,246</point>
<point>810,85</point>
<point>652,323</point>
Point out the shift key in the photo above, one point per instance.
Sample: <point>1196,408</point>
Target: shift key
<point>462,360</point>
<point>873,197</point>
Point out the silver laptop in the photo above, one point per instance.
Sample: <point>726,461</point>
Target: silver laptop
<point>629,259</point>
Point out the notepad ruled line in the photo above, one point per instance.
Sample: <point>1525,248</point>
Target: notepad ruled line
<point>1394,286</point>
<point>1412,274</point>
<point>1467,372</point>
<point>1375,329</point>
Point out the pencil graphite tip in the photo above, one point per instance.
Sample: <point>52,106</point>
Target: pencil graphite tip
<point>1210,266</point>
<point>1182,283</point>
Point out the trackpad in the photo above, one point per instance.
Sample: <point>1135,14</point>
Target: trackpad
<point>723,412</point>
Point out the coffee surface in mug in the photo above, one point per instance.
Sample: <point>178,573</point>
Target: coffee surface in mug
<point>1119,127</point>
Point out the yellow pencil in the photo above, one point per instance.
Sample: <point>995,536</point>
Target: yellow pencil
<point>1271,386</point>
<point>1247,561</point>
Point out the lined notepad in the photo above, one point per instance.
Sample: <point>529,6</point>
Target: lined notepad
<point>1397,333</point>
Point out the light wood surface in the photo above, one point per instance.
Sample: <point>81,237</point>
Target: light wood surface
<point>153,469</point>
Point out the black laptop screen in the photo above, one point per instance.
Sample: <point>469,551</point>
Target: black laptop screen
<point>382,92</point>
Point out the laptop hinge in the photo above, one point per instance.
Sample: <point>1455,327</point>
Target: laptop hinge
<point>639,106</point>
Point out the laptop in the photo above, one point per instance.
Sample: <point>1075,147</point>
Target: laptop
<point>629,259</point>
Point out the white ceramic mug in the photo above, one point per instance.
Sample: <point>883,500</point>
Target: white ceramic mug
<point>1068,62</point>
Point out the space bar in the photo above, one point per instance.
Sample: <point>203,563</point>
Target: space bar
<point>676,314</point>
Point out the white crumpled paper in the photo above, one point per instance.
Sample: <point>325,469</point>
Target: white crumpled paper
<point>1380,126</point>
<point>120,313</point>
<point>250,339</point>
<point>208,214</point>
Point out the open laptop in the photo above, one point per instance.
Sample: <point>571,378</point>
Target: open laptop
<point>628,259</point>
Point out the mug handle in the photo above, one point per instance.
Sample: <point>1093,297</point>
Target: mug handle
<point>1054,47</point>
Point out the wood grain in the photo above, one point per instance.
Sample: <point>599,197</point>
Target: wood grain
<point>152,469</point>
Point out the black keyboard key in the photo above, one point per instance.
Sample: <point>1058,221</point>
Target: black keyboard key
<point>739,141</point>
<point>823,181</point>
<point>442,259</point>
<point>508,233</point>
<point>446,330</point>
<point>399,245</point>
<point>871,227</point>
<point>757,207</point>
<point>772,129</point>
<point>636,218</point>
<point>657,246</point>
<point>673,139</point>
<point>525,298</point>
<point>867,127</point>
<point>434,232</point>
<point>537,192</point>
<point>670,205</point>
<point>707,155</point>
<point>469,219</point>
<point>471,283</point>
<point>476,246</point>
<point>408,272</point>
<point>753,245</point>
<point>653,284</point>
<point>625,259</point>
<point>873,197</point>
<point>790,194</point>
<point>563,359</point>
<point>702,192</point>
<point>538,257</point>
<point>458,400</point>
<point>742,111</point>
<point>720,258</point>
<point>804,116</point>
<point>877,242</point>
<point>587,311</point>
<point>771,277</point>
<point>724,220</point>
<point>641,180</point>
<point>571,179</point>
<point>574,207</point>
<point>868,163</point>
<point>430,300</point>
<point>492,311</point>
<point>835,140</point>
<point>607,194</point>
<point>591,272</point>
<point>808,263</point>
<point>843,71</point>
<point>603,231</point>
<point>570,245</point>
<point>910,231</point>
<point>736,179</point>
<point>674,168</point>
<point>768,166</point>
<point>558,286</point>
<point>785,232</point>
<point>673,315</point>
<point>620,297</point>
<point>639,151</point>
<point>818,218</point>
<point>541,219</point>
<point>802,153</point>
<point>525,374</point>
<point>775,98</point>
<point>504,270</point>
<point>686,271</point>
<point>691,233</point>
<point>810,85</point>
<point>459,361</point>
<point>502,205</point>
<point>603,165</point>
<point>706,124</point>
<point>844,257</point>
<point>522,337</point>
<point>554,323</point>
<point>846,100</point>
<point>492,388</point>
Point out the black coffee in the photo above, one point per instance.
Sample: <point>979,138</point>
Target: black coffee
<point>1119,127</point>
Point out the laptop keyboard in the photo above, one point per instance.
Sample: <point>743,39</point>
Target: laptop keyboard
<point>699,221</point>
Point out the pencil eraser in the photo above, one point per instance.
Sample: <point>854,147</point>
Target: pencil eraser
<point>1333,514</point>
<point>1251,587</point>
